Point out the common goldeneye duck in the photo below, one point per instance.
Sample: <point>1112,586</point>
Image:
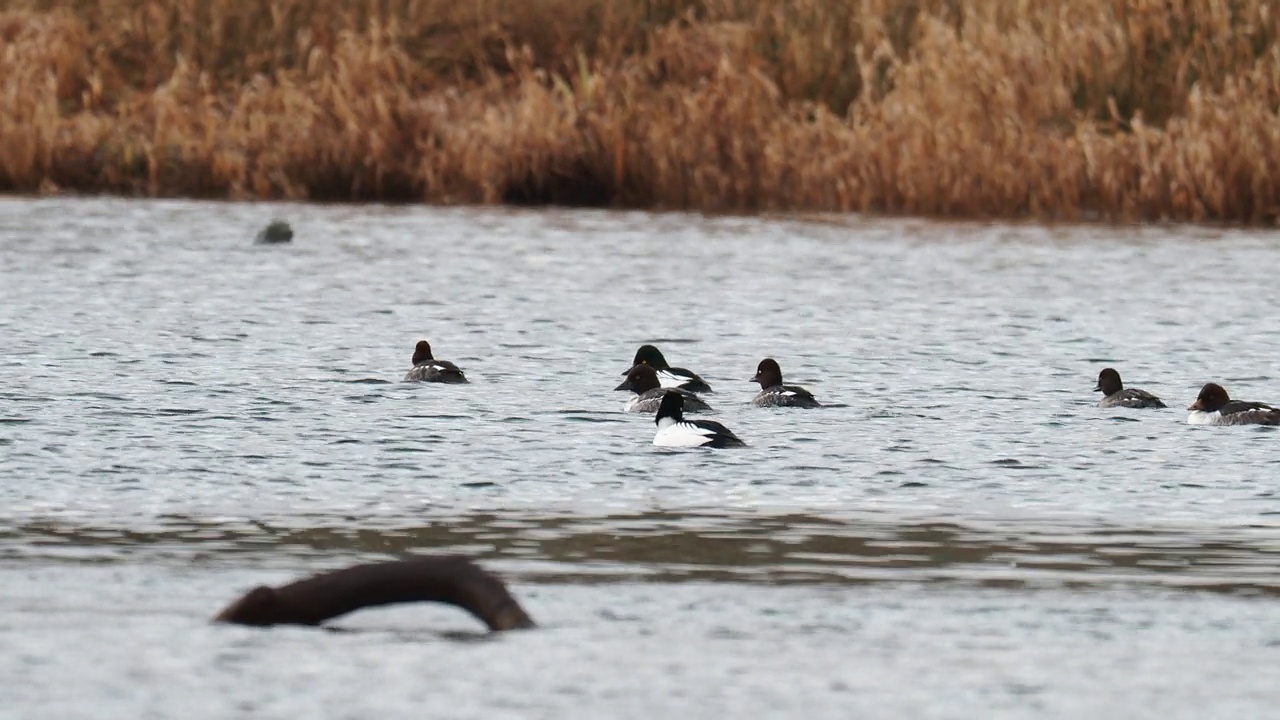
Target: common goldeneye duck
<point>1116,395</point>
<point>278,231</point>
<point>428,369</point>
<point>643,381</point>
<point>675,431</point>
<point>669,377</point>
<point>774,394</point>
<point>1214,407</point>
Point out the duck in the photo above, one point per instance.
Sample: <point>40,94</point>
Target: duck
<point>669,377</point>
<point>427,369</point>
<point>277,231</point>
<point>1214,407</point>
<point>675,431</point>
<point>643,381</point>
<point>452,579</point>
<point>774,394</point>
<point>1115,394</point>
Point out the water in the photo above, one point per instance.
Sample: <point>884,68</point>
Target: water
<point>184,415</point>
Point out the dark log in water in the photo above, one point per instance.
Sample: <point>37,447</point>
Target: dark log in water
<point>454,580</point>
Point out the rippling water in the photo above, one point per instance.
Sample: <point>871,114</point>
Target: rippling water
<point>184,415</point>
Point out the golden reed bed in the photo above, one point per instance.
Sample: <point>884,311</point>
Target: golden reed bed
<point>1064,109</point>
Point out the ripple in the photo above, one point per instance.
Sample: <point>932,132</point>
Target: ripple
<point>776,549</point>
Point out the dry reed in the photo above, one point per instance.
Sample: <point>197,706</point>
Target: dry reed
<point>1139,109</point>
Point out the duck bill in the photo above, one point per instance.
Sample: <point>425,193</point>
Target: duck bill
<point>1196,405</point>
<point>1097,388</point>
<point>626,385</point>
<point>755,378</point>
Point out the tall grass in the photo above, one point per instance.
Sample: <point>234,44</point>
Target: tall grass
<point>1117,109</point>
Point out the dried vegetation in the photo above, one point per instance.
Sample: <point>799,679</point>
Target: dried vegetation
<point>1117,109</point>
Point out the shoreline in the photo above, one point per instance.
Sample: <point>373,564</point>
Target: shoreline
<point>784,106</point>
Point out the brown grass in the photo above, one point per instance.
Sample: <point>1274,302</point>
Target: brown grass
<point>1118,109</point>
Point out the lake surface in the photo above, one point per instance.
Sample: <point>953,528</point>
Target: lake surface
<point>962,534</point>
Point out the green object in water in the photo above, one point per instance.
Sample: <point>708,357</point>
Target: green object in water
<point>277,232</point>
